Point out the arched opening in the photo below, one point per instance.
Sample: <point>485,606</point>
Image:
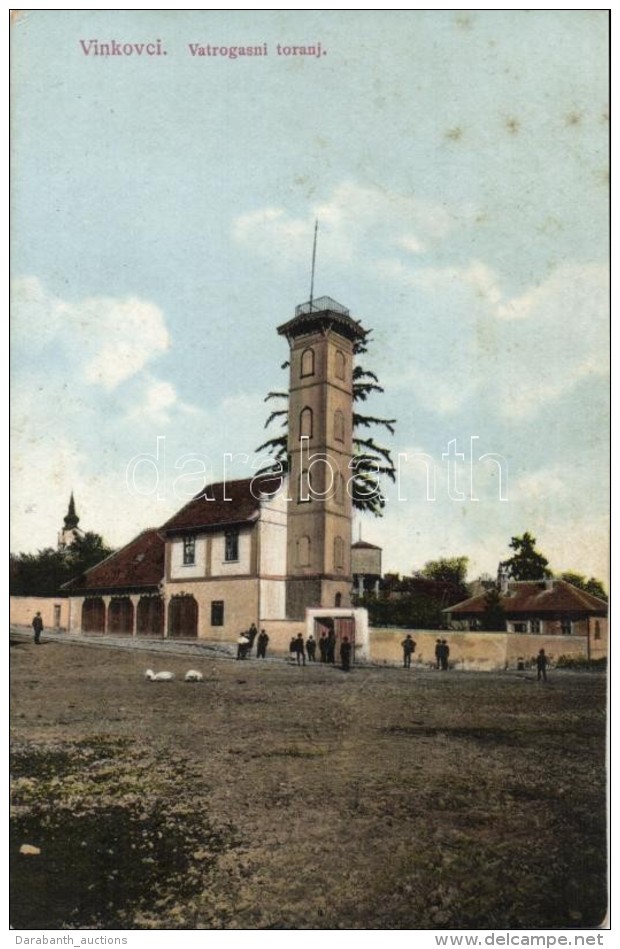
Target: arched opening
<point>182,618</point>
<point>304,487</point>
<point>339,364</point>
<point>597,629</point>
<point>303,552</point>
<point>338,553</point>
<point>305,422</point>
<point>150,618</point>
<point>93,615</point>
<point>120,616</point>
<point>307,362</point>
<point>338,426</point>
<point>338,599</point>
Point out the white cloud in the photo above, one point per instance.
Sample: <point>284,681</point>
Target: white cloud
<point>353,218</point>
<point>104,340</point>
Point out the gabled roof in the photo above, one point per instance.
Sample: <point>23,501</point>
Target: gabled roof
<point>535,597</point>
<point>137,565</point>
<point>224,504</point>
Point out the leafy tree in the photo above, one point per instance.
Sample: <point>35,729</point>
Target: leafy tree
<point>43,573</point>
<point>449,570</point>
<point>494,617</point>
<point>371,461</point>
<point>411,611</point>
<point>527,563</point>
<point>592,586</point>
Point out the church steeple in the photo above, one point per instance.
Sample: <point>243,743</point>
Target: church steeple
<point>71,518</point>
<point>70,531</point>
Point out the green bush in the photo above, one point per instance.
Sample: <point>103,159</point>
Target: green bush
<point>581,663</point>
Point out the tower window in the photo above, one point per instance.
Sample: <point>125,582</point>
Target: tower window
<point>217,612</point>
<point>340,487</point>
<point>189,551</point>
<point>597,629</point>
<point>338,426</point>
<point>303,552</point>
<point>231,546</point>
<point>307,362</point>
<point>305,422</point>
<point>338,553</point>
<point>340,364</point>
<point>304,487</point>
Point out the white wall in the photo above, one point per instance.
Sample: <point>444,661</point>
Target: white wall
<point>272,537</point>
<point>272,599</point>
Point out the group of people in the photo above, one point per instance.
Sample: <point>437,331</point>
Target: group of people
<point>442,654</point>
<point>245,643</point>
<point>298,649</point>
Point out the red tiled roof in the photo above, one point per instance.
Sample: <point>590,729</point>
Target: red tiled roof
<point>222,504</point>
<point>139,564</point>
<point>533,597</point>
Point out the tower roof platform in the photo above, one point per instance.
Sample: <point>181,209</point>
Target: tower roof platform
<point>322,313</point>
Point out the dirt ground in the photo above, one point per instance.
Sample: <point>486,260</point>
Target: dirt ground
<point>271,796</point>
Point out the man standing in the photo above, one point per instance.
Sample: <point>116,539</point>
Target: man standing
<point>323,646</point>
<point>261,645</point>
<point>242,646</point>
<point>37,625</point>
<point>331,646</point>
<point>251,634</point>
<point>345,654</point>
<point>438,653</point>
<point>299,649</point>
<point>541,665</point>
<point>311,648</point>
<point>408,650</point>
<point>445,655</point>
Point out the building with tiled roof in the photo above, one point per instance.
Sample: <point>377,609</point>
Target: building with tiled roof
<point>549,606</point>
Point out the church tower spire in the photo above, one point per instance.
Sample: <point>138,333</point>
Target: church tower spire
<point>71,518</point>
<point>70,530</point>
<point>321,338</point>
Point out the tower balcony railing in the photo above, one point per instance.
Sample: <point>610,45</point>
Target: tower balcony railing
<point>320,305</point>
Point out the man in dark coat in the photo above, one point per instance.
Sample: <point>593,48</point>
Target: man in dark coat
<point>251,634</point>
<point>445,655</point>
<point>438,654</point>
<point>541,665</point>
<point>323,646</point>
<point>299,649</point>
<point>331,646</point>
<point>408,650</point>
<point>311,648</point>
<point>261,645</point>
<point>37,625</point>
<point>345,654</point>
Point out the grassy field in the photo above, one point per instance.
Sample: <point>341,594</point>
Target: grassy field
<point>270,796</point>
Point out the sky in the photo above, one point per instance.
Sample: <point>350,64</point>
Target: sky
<point>163,209</point>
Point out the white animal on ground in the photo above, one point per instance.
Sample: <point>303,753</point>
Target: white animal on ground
<point>193,676</point>
<point>158,676</point>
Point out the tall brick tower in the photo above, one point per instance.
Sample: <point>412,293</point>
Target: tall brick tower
<point>321,337</point>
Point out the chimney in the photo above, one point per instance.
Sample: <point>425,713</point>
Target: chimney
<point>503,582</point>
<point>548,583</point>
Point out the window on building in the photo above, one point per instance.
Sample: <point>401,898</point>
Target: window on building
<point>567,627</point>
<point>338,553</point>
<point>303,552</point>
<point>304,487</point>
<point>338,600</point>
<point>307,362</point>
<point>217,612</point>
<point>305,422</point>
<point>189,551</point>
<point>340,488</point>
<point>231,546</point>
<point>597,629</point>
<point>519,628</point>
<point>535,626</point>
<point>338,426</point>
<point>340,364</point>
